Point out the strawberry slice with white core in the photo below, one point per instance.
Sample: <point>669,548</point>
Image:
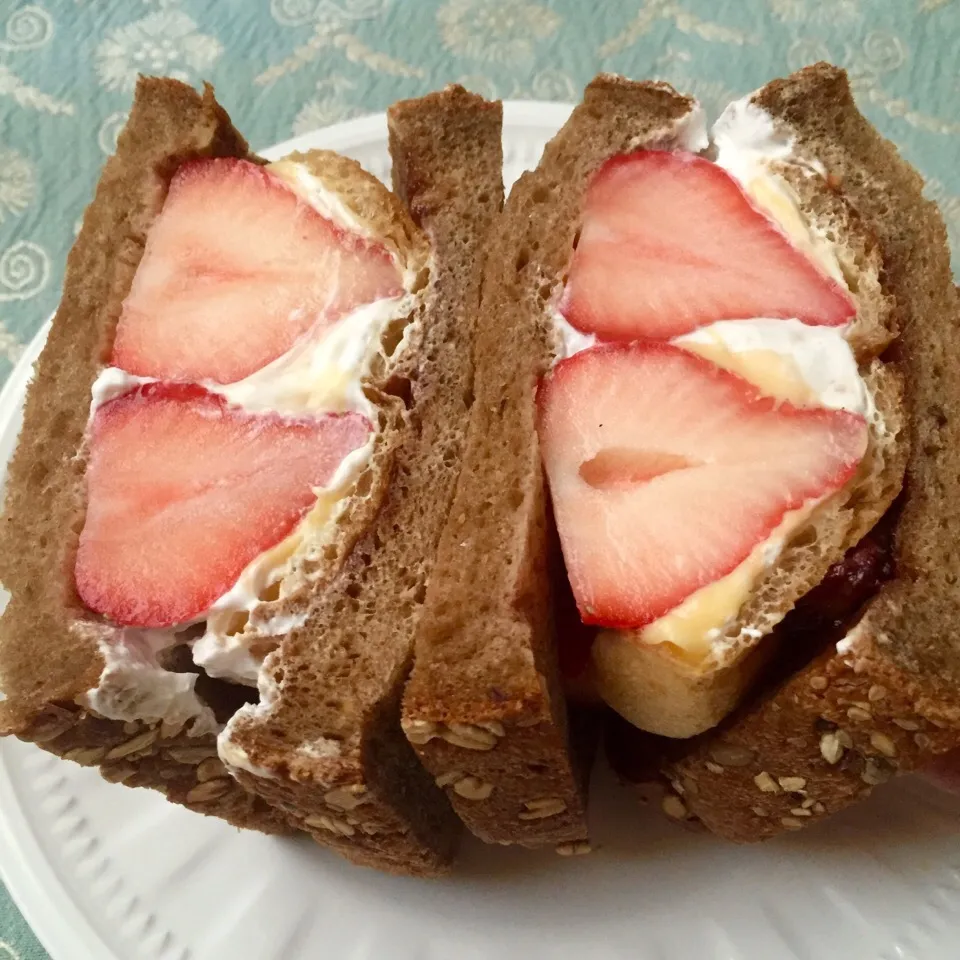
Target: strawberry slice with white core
<point>184,491</point>
<point>670,242</point>
<point>666,471</point>
<point>236,268</point>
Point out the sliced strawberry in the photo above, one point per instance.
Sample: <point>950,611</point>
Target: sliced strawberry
<point>184,491</point>
<point>670,242</point>
<point>666,471</point>
<point>236,268</point>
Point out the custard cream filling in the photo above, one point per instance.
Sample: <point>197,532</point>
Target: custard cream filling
<point>786,359</point>
<point>321,373</point>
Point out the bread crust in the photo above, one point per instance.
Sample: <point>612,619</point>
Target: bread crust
<point>484,707</point>
<point>885,700</point>
<point>47,661</point>
<point>327,744</point>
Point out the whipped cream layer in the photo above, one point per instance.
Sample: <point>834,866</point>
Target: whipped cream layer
<point>135,687</point>
<point>751,149</point>
<point>809,366</point>
<point>321,373</point>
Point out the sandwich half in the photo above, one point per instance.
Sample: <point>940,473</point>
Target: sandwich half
<point>324,743</point>
<point>214,424</point>
<point>717,427</point>
<point>746,433</point>
<point>876,691</point>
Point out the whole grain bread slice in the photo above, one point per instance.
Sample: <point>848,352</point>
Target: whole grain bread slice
<point>139,736</point>
<point>325,743</point>
<point>886,698</point>
<point>484,707</point>
<point>49,644</point>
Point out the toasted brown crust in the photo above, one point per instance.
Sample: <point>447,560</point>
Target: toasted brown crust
<point>330,736</point>
<point>485,673</point>
<point>40,659</point>
<point>887,700</point>
<point>184,768</point>
<point>364,195</point>
<point>45,663</point>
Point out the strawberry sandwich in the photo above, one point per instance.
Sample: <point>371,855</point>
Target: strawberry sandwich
<point>716,428</point>
<point>726,366</point>
<point>232,393</point>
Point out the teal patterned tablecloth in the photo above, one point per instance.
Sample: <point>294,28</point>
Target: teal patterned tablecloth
<point>283,67</point>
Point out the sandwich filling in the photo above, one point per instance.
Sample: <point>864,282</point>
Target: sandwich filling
<point>233,426</point>
<point>693,475</point>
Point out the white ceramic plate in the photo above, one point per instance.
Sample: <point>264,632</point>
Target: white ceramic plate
<point>106,873</point>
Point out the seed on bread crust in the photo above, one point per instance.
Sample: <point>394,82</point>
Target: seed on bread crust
<point>50,724</point>
<point>170,729</point>
<point>192,755</point>
<point>543,808</point>
<point>473,788</point>
<point>332,824</point>
<point>211,790</point>
<point>493,726</point>
<point>713,767</point>
<point>674,807</point>
<point>732,755</point>
<point>859,715</point>
<point>86,756</point>
<point>792,823</point>
<point>348,797</point>
<point>883,744</point>
<point>140,742</point>
<point>831,749</point>
<point>117,772</point>
<point>470,736</point>
<point>576,849</point>
<point>448,778</point>
<point>690,786</point>
<point>792,784</point>
<point>210,769</point>
<point>876,771</point>
<point>766,783</point>
<point>908,725</point>
<point>419,731</point>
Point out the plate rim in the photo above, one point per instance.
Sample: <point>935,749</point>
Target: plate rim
<point>57,931</point>
<point>25,870</point>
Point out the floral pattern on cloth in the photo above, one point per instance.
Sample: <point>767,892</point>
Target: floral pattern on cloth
<point>285,67</point>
